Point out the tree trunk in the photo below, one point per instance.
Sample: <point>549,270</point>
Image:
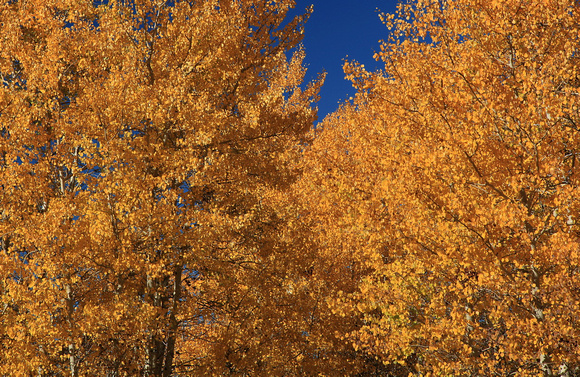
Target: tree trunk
<point>173,323</point>
<point>161,350</point>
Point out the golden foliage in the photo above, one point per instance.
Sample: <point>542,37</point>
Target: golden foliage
<point>167,209</point>
<point>138,142</point>
<point>449,187</point>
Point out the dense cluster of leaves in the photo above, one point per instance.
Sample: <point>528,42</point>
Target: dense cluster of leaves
<point>166,207</point>
<point>451,186</point>
<point>139,140</point>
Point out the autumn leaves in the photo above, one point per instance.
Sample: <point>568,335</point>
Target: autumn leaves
<point>457,156</point>
<point>428,227</point>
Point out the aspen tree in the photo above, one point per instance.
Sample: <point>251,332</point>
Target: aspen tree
<point>137,142</point>
<point>449,186</point>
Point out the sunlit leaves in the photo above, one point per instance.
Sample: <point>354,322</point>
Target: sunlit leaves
<point>451,181</point>
<point>143,139</point>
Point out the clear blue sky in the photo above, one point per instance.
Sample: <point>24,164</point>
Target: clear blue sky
<point>338,30</point>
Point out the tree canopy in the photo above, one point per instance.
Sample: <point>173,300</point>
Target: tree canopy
<point>451,181</point>
<point>168,206</point>
<point>139,141</point>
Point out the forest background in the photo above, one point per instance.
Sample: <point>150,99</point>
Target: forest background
<point>168,207</point>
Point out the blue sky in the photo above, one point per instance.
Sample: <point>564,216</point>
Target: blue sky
<point>338,30</point>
